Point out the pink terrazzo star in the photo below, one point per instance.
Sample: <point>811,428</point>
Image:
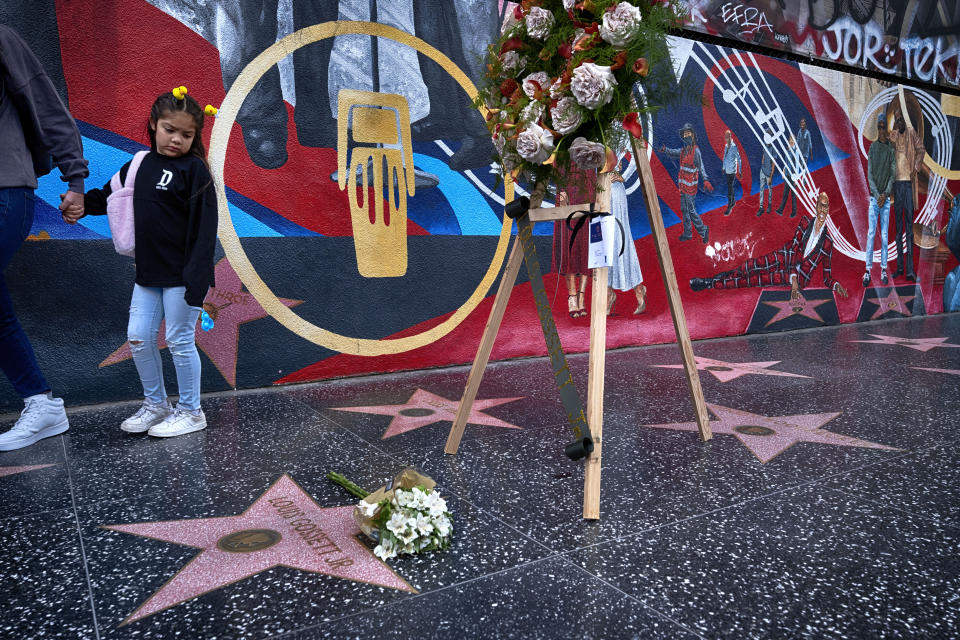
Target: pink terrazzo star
<point>9,471</point>
<point>768,436</point>
<point>798,307</point>
<point>920,344</point>
<point>891,302</point>
<point>955,372</point>
<point>283,527</point>
<point>727,371</point>
<point>425,408</point>
<point>229,306</point>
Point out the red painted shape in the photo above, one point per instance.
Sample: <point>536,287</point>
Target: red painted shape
<point>115,92</point>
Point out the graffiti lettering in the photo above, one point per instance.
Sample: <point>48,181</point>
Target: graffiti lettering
<point>929,59</point>
<point>748,19</point>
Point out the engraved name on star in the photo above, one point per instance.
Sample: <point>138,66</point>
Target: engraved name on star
<point>920,344</point>
<point>798,307</point>
<point>769,436</point>
<point>283,527</point>
<point>229,306</point>
<point>727,371</point>
<point>425,408</point>
<point>892,301</point>
<point>9,471</point>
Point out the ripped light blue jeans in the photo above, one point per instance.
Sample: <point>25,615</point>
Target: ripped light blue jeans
<point>148,308</point>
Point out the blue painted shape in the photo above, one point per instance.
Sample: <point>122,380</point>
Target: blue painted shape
<point>429,209</point>
<point>471,207</point>
<point>47,218</point>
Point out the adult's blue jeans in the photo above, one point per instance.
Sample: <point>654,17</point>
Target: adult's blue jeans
<point>883,215</point>
<point>149,306</point>
<point>16,355</point>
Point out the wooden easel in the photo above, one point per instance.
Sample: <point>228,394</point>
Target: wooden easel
<point>598,328</point>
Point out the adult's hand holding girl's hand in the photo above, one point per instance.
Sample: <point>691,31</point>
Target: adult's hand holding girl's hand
<point>71,206</point>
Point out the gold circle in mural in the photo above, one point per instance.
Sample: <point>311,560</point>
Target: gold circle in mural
<point>220,138</point>
<point>249,540</point>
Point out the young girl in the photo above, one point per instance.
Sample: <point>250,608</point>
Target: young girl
<point>175,226</point>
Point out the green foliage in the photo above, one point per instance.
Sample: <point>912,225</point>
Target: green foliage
<point>576,33</point>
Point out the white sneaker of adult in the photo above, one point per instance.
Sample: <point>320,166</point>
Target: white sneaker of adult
<point>178,423</point>
<point>146,416</point>
<point>41,418</point>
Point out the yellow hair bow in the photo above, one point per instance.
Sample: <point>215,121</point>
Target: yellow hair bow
<point>179,92</point>
<point>210,110</point>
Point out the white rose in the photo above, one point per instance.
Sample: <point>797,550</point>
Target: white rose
<point>510,161</point>
<point>619,27</point>
<point>508,154</point>
<point>557,89</point>
<point>592,85</point>
<point>532,112</point>
<point>512,62</point>
<point>535,144</point>
<point>539,80</point>
<point>588,155</point>
<point>539,22</point>
<point>566,115</point>
<point>568,4</point>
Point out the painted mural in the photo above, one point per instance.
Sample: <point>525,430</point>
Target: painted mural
<point>366,228</point>
<point>916,39</point>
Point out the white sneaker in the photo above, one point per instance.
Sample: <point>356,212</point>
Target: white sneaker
<point>41,418</point>
<point>146,416</point>
<point>179,422</point>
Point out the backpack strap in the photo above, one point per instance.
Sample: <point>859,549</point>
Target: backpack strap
<point>134,167</point>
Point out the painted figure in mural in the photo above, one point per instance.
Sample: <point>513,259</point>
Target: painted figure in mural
<point>625,272</point>
<point>881,168</point>
<point>791,172</point>
<point>732,167</point>
<point>908,146</point>
<point>804,142</point>
<point>241,29</point>
<point>951,284</point>
<point>175,213</point>
<point>571,253</point>
<point>691,170</point>
<point>767,166</point>
<point>793,263</point>
<point>35,127</point>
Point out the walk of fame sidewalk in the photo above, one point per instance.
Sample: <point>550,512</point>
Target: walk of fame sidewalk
<point>824,505</point>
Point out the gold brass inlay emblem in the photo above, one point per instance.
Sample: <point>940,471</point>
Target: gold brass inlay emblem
<point>249,540</point>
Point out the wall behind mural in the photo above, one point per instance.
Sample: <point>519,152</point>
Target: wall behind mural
<point>915,39</point>
<point>402,266</point>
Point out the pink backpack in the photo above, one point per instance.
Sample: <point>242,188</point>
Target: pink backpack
<point>120,207</point>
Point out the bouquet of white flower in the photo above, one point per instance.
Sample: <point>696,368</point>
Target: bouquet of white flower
<point>405,516</point>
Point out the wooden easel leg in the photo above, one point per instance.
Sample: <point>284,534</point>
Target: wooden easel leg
<point>673,293</point>
<point>507,281</point>
<point>598,352</point>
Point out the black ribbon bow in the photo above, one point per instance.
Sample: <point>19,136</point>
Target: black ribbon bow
<point>590,215</point>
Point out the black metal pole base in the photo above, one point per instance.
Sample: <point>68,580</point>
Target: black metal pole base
<point>579,448</point>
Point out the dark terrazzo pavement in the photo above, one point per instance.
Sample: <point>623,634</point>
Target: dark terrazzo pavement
<point>695,539</point>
